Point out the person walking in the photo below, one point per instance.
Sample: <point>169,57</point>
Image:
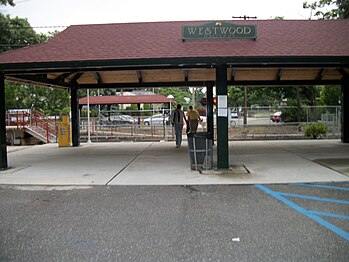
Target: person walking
<point>193,119</point>
<point>177,120</point>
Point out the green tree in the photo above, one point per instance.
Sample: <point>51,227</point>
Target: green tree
<point>178,93</point>
<point>47,100</point>
<point>330,95</point>
<point>16,33</point>
<point>263,96</point>
<point>6,2</point>
<point>235,96</point>
<point>340,8</point>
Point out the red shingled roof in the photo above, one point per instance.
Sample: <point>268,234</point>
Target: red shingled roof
<point>141,99</point>
<point>164,40</point>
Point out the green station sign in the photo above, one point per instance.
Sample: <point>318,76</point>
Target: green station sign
<point>219,30</point>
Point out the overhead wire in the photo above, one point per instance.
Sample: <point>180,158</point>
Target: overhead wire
<point>29,27</point>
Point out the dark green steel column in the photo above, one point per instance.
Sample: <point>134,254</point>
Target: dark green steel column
<point>222,121</point>
<point>345,110</point>
<point>75,116</point>
<point>209,109</point>
<point>3,149</point>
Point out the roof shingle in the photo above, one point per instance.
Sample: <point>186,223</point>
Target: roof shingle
<point>164,40</point>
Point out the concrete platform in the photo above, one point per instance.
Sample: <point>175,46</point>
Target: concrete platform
<point>160,163</point>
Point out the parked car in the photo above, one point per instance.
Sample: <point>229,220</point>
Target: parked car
<point>276,117</point>
<point>157,120</point>
<point>131,119</point>
<point>122,120</point>
<point>234,113</point>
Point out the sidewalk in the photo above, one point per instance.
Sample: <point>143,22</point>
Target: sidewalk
<point>160,163</point>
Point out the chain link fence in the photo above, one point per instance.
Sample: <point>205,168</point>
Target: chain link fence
<point>253,123</point>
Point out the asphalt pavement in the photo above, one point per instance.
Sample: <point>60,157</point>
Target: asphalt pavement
<point>169,223</point>
<point>279,201</point>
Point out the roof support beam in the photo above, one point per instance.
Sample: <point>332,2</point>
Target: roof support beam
<point>144,84</point>
<point>185,62</point>
<point>98,78</point>
<point>186,73</point>
<point>321,74</point>
<point>283,82</point>
<point>343,72</point>
<point>41,79</point>
<point>62,77</point>
<point>76,78</point>
<point>139,76</point>
<point>279,74</point>
<point>203,83</point>
<point>233,74</point>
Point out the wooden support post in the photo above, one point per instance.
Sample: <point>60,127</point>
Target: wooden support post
<point>3,147</point>
<point>209,109</point>
<point>222,118</point>
<point>345,110</point>
<point>75,116</point>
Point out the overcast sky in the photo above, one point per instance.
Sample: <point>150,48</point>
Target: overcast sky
<point>69,12</point>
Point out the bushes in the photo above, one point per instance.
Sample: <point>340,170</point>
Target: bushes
<point>292,114</point>
<point>315,130</point>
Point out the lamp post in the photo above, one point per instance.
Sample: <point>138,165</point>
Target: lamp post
<point>88,117</point>
<point>170,97</point>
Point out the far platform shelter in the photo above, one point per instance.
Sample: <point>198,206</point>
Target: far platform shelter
<point>188,53</point>
<point>135,99</point>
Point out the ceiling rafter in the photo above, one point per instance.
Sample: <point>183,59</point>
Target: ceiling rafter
<point>63,76</point>
<point>186,75</point>
<point>320,74</point>
<point>204,83</point>
<point>98,77</point>
<point>139,76</point>
<point>343,72</point>
<point>279,74</point>
<point>42,79</point>
<point>233,74</point>
<point>76,78</point>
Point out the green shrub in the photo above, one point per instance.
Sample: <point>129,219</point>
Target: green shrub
<point>290,114</point>
<point>315,130</point>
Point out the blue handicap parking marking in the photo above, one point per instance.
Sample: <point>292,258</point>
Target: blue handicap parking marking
<point>314,215</point>
<point>322,186</point>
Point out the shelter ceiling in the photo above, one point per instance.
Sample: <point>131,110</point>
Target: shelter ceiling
<point>197,75</point>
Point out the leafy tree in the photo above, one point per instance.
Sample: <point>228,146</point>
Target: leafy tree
<point>235,96</point>
<point>178,93</point>
<point>16,33</point>
<point>330,95</point>
<point>264,96</point>
<point>293,113</point>
<point>341,10</point>
<point>47,100</point>
<point>5,2</point>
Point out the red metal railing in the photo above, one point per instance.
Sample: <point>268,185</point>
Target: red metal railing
<point>38,122</point>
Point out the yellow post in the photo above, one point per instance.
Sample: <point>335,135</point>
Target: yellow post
<point>64,133</point>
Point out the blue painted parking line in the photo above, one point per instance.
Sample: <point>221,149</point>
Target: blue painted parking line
<point>305,212</point>
<point>328,214</point>
<point>314,198</point>
<point>322,186</point>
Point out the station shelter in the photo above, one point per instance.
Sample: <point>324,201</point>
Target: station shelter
<point>181,54</point>
<point>126,100</point>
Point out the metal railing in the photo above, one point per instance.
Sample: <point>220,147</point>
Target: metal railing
<point>36,122</point>
<point>259,124</point>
